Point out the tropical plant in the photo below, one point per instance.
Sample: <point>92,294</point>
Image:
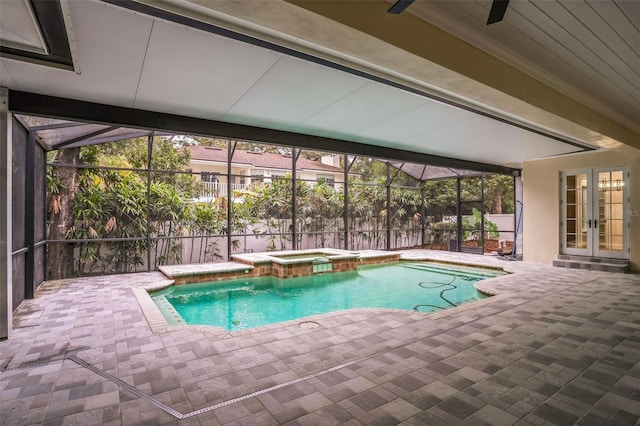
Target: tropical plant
<point>320,212</point>
<point>122,200</point>
<point>472,224</point>
<point>271,204</point>
<point>131,214</point>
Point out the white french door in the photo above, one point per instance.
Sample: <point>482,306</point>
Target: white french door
<point>594,206</point>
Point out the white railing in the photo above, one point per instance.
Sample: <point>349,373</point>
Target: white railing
<point>218,189</point>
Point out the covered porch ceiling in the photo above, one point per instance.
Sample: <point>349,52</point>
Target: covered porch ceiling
<point>133,55</point>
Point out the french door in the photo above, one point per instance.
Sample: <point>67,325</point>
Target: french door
<point>595,203</point>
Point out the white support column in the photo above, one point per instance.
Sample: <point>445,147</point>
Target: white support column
<point>6,280</point>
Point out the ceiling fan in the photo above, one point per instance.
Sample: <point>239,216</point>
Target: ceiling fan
<point>496,14</point>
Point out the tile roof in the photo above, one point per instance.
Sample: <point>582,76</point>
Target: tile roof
<point>265,160</point>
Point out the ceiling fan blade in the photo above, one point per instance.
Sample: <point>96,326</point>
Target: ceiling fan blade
<point>498,9</point>
<point>400,6</point>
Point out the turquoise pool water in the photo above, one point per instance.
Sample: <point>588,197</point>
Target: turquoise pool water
<point>246,303</point>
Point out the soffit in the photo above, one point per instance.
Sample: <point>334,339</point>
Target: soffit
<point>134,60</point>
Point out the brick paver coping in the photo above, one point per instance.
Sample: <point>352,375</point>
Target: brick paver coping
<point>253,263</point>
<point>204,268</point>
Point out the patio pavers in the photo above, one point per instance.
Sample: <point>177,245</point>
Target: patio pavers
<point>556,346</point>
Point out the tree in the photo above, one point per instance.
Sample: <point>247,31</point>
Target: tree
<point>499,194</point>
<point>440,198</point>
<point>62,184</point>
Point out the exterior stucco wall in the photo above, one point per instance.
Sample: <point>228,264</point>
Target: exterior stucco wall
<point>541,195</point>
<point>221,169</point>
<point>197,167</point>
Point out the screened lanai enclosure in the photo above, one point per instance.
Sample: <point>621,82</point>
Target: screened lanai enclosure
<point>104,199</point>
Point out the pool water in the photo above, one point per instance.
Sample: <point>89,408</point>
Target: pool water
<point>246,303</point>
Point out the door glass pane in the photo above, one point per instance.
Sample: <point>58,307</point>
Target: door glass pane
<point>603,242</point>
<point>576,213</point>
<point>610,211</point>
<point>617,181</point>
<point>617,210</point>
<point>581,240</point>
<point>617,242</point>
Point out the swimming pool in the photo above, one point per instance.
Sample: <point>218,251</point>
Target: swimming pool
<point>246,303</point>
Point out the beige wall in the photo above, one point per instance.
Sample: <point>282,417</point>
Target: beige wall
<point>215,168</point>
<point>197,167</point>
<point>541,195</point>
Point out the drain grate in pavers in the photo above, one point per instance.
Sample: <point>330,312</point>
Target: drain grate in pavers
<point>180,415</point>
<point>125,386</point>
<point>42,361</point>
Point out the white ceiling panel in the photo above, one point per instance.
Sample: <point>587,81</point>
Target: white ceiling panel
<point>618,48</point>
<point>541,47</point>
<point>6,79</point>
<point>489,141</point>
<point>525,8</point>
<point>589,58</point>
<point>367,106</point>
<point>423,119</point>
<point>292,91</point>
<point>631,8</point>
<point>581,39</point>
<point>463,135</point>
<point>615,18</point>
<point>110,53</point>
<point>199,73</point>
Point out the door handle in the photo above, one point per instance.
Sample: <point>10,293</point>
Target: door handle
<point>595,223</point>
<point>589,221</point>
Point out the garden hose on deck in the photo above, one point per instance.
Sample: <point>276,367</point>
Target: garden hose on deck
<point>433,286</point>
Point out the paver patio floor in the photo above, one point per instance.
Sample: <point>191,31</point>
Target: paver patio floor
<point>556,346</point>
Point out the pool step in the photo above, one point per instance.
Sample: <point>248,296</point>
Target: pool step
<point>592,263</point>
<point>203,272</point>
<point>452,269</point>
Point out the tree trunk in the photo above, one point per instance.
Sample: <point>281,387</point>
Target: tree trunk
<point>59,255</point>
<point>497,204</point>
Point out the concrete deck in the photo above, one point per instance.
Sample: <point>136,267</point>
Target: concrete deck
<point>556,346</point>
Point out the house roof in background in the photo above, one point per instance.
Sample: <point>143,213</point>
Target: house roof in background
<point>265,160</point>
